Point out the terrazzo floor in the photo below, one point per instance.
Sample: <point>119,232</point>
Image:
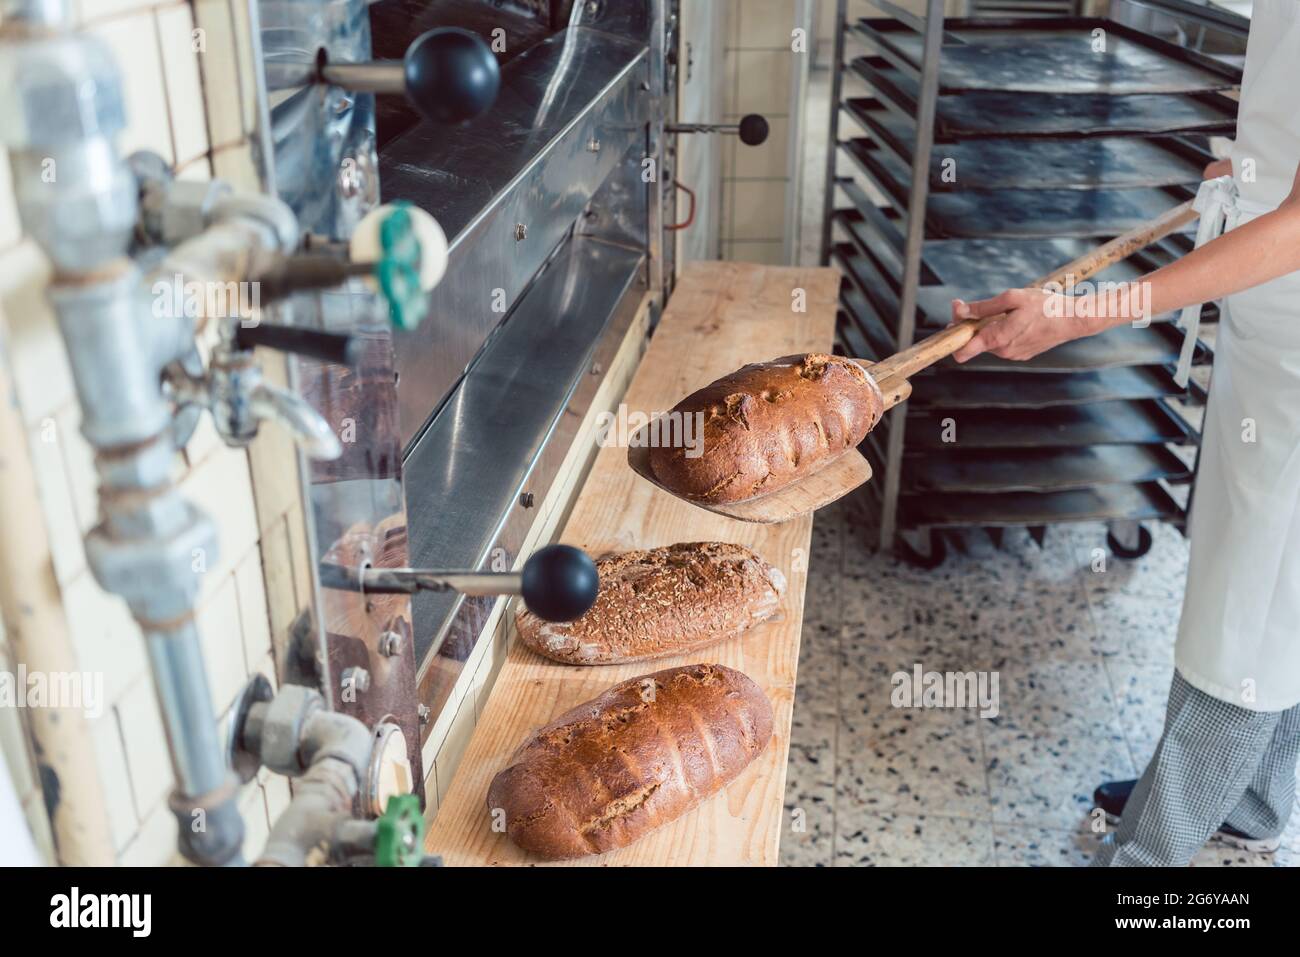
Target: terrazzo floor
<point>1084,659</point>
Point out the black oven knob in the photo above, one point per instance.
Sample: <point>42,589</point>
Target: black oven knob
<point>449,75</point>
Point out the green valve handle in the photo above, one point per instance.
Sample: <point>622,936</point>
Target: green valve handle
<point>408,252</point>
<point>398,269</point>
<point>399,834</point>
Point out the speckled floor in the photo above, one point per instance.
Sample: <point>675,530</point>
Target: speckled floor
<point>1084,658</point>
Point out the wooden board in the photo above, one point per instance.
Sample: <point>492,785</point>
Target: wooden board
<point>721,316</point>
<point>832,482</point>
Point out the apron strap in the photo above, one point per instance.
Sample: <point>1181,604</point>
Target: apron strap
<point>1213,200</point>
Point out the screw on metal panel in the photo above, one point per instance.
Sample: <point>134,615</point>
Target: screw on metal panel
<point>390,644</point>
<point>424,713</point>
<point>356,678</point>
<point>593,145</point>
<point>526,499</point>
<point>521,232</point>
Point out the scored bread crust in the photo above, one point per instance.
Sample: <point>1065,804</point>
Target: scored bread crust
<point>662,601</point>
<point>769,424</point>
<point>638,756</point>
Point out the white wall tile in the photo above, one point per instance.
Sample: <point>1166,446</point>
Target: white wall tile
<point>223,647</point>
<point>764,82</point>
<point>219,67</point>
<point>766,253</point>
<point>254,620</point>
<point>115,778</point>
<point>134,42</point>
<point>184,88</point>
<point>154,844</point>
<point>764,23</point>
<point>42,379</point>
<point>106,638</point>
<point>145,741</point>
<point>64,531</point>
<point>221,486</point>
<point>79,461</point>
<point>758,210</point>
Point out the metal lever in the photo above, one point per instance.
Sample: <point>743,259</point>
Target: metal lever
<point>449,75</point>
<point>558,582</point>
<point>752,129</point>
<point>335,347</point>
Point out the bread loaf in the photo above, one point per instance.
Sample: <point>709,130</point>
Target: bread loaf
<point>770,424</point>
<point>662,601</point>
<point>643,753</point>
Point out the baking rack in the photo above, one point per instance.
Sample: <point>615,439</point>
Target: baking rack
<point>969,155</point>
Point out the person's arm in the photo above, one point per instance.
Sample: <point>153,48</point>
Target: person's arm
<point>1261,250</point>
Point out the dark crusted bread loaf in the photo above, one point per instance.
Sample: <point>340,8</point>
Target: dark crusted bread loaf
<point>662,601</point>
<point>770,424</point>
<point>643,753</point>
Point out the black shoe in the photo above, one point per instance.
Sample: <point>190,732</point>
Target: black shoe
<point>1113,795</point>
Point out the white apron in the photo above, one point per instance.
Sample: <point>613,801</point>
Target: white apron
<point>1239,636</point>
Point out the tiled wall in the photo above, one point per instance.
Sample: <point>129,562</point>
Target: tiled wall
<point>763,74</point>
<point>174,56</point>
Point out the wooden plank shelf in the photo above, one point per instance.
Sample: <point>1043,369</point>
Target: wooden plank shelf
<point>721,316</point>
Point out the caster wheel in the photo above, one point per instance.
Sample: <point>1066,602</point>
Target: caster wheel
<point>1120,551</point>
<point>924,560</point>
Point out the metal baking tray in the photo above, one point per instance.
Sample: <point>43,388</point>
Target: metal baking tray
<point>995,113</point>
<point>1039,470</point>
<point>1155,345</point>
<point>1111,162</point>
<point>1050,55</point>
<point>1143,502</point>
<point>1047,212</point>
<point>1016,213</point>
<point>995,264</point>
<point>1102,423</point>
<point>1014,390</point>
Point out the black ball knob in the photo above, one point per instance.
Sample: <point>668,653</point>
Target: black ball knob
<point>451,75</point>
<point>753,129</point>
<point>559,583</point>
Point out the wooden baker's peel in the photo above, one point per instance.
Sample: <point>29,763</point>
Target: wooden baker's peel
<point>850,469</point>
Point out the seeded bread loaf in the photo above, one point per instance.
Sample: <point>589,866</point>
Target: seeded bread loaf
<point>662,601</point>
<point>640,755</point>
<point>770,424</point>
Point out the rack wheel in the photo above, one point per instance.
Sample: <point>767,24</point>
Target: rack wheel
<point>926,561</point>
<point>1121,551</point>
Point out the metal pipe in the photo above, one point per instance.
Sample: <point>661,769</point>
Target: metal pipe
<point>327,752</point>
<point>379,76</point>
<point>145,546</point>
